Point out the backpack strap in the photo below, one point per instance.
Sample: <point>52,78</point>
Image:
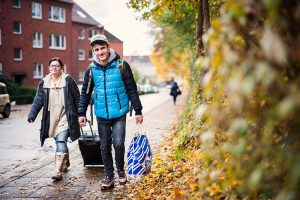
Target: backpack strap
<point>90,79</point>
<point>121,68</point>
<point>88,90</point>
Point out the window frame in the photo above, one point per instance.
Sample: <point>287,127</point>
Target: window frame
<point>21,54</point>
<point>65,68</point>
<point>61,14</point>
<point>91,55</point>
<point>35,38</point>
<point>20,28</point>
<point>81,34</point>
<point>1,68</point>
<point>81,74</point>
<point>81,54</point>
<point>38,73</point>
<point>92,32</point>
<point>17,6</point>
<point>62,42</point>
<point>40,9</point>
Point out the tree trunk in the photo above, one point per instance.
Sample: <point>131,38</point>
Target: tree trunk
<point>206,15</point>
<point>199,29</point>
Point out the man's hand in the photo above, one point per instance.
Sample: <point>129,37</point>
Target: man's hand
<point>139,119</point>
<point>82,121</point>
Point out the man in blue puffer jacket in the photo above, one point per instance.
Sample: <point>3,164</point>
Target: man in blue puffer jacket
<point>112,92</point>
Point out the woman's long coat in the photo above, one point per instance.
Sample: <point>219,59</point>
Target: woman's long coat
<point>71,99</point>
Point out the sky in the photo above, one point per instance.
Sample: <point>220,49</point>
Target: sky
<point>121,22</point>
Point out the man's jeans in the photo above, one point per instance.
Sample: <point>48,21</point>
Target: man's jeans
<point>112,132</point>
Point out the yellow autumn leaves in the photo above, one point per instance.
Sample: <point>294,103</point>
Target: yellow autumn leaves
<point>239,135</point>
<point>176,67</point>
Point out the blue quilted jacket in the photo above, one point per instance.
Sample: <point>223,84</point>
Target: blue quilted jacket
<point>110,98</point>
<point>112,91</point>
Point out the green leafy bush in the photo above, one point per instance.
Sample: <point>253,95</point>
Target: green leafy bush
<point>19,94</point>
<point>28,91</point>
<point>12,87</point>
<point>250,137</point>
<point>22,99</point>
<point>242,122</point>
<point>25,95</point>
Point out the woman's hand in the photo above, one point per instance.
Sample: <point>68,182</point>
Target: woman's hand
<point>82,121</point>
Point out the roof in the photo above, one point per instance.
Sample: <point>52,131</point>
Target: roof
<point>111,37</point>
<point>67,1</point>
<point>80,16</point>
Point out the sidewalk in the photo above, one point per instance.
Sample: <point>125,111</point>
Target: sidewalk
<point>34,180</point>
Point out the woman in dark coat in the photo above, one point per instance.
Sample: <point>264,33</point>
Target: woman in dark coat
<point>175,91</point>
<point>58,95</point>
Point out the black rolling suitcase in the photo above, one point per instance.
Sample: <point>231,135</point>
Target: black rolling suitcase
<point>89,145</point>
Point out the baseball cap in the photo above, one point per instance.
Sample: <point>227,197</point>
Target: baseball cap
<point>97,38</point>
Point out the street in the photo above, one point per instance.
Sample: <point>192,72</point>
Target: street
<point>26,168</point>
<point>20,139</point>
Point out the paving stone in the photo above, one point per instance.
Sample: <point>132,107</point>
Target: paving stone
<point>35,174</point>
<point>57,192</point>
<point>75,173</point>
<point>41,182</point>
<point>20,182</point>
<point>15,192</point>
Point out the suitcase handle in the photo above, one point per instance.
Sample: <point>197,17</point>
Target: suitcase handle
<point>84,135</point>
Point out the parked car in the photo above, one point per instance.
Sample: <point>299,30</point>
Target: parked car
<point>147,89</point>
<point>4,101</point>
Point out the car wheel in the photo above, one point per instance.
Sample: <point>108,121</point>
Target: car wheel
<point>6,111</point>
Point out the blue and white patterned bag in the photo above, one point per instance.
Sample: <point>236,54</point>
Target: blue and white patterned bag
<point>139,156</point>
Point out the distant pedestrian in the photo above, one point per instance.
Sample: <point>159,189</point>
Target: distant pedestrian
<point>175,91</point>
<point>113,84</point>
<point>58,95</point>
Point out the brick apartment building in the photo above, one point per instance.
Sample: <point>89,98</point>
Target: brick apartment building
<point>33,31</point>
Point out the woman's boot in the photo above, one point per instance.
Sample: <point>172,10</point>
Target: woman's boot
<point>58,166</point>
<point>65,163</point>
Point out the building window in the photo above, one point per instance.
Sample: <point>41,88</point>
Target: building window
<point>36,10</point>
<point>81,75</point>
<point>1,68</point>
<point>37,40</point>
<point>57,42</point>
<point>81,54</point>
<point>81,34</point>
<point>17,27</point>
<point>17,3</point>
<point>91,55</point>
<point>65,68</point>
<point>0,37</point>
<point>18,54</point>
<point>38,71</point>
<point>92,33</point>
<point>57,14</point>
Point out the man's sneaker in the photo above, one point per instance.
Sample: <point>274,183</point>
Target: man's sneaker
<point>122,177</point>
<point>107,183</point>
